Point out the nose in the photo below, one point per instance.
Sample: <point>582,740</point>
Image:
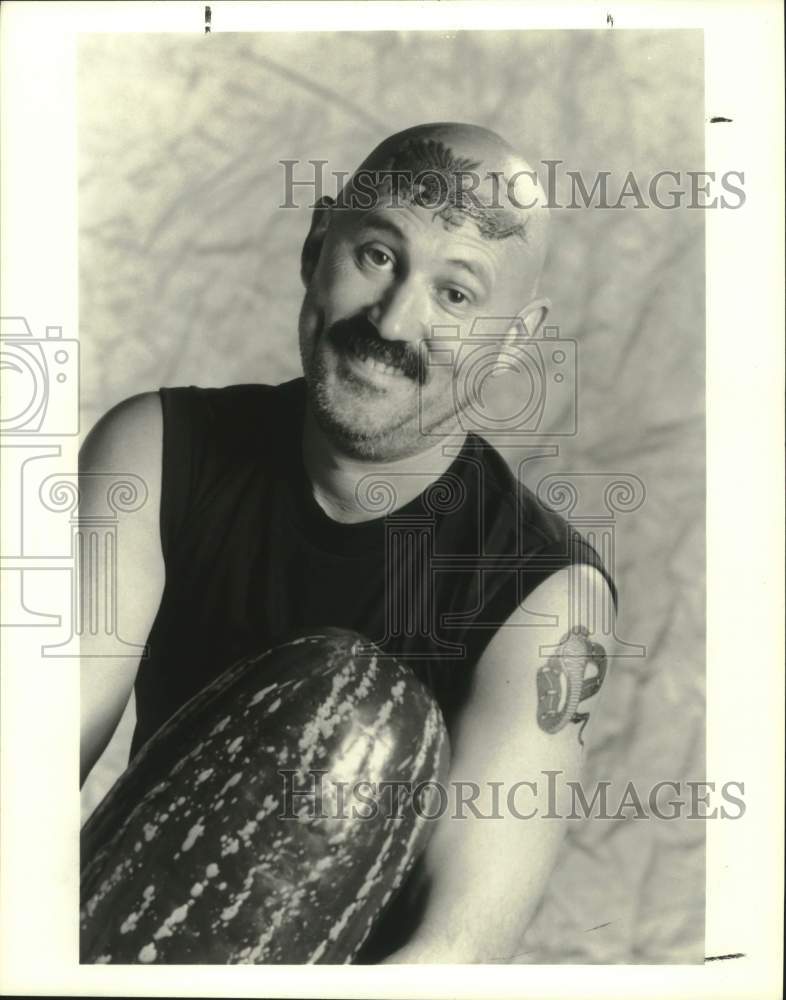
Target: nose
<point>400,313</point>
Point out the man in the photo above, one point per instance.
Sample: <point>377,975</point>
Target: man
<point>331,499</point>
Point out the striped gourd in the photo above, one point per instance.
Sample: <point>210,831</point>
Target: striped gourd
<point>202,853</point>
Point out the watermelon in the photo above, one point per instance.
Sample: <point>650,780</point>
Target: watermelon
<point>225,841</point>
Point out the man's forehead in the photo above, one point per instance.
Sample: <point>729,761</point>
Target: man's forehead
<point>455,195</point>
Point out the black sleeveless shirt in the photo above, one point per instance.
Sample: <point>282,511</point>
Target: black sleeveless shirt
<point>251,557</point>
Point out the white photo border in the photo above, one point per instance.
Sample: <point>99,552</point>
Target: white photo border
<point>745,320</point>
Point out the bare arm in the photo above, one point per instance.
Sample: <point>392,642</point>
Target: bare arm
<point>487,872</point>
<point>127,440</point>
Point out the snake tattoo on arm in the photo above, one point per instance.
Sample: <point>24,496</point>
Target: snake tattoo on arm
<point>562,684</point>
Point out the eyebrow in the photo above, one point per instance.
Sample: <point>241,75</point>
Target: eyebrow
<point>475,268</point>
<point>372,221</point>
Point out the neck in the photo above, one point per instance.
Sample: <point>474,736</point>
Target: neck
<point>336,478</point>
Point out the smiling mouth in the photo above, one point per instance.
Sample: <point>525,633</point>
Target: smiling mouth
<point>368,366</point>
<point>366,362</point>
<point>371,358</point>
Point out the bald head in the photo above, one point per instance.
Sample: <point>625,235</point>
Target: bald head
<point>464,174</point>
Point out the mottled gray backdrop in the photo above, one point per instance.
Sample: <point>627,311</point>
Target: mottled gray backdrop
<point>189,275</point>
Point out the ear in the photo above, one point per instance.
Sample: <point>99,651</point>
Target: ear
<point>528,321</point>
<point>312,247</point>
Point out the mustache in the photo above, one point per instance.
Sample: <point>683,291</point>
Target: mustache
<point>359,335</point>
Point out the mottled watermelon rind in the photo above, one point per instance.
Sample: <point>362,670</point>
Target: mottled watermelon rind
<point>187,859</point>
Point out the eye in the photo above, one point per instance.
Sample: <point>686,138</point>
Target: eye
<point>455,296</point>
<point>376,256</point>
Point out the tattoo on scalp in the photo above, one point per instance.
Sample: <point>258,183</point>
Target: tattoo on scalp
<point>428,171</point>
<point>562,684</point>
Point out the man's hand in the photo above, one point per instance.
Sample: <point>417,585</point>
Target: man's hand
<point>536,688</point>
<point>127,440</point>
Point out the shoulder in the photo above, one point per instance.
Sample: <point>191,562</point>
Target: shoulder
<point>124,450</point>
<point>214,402</point>
<point>514,507</point>
<point>518,522</point>
<point>127,433</point>
<point>136,433</point>
<point>229,415</point>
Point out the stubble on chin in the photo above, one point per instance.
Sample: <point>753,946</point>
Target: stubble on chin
<point>352,424</point>
<point>355,425</point>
